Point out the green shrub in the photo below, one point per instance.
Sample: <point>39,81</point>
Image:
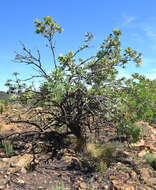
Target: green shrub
<point>1,109</point>
<point>76,91</point>
<point>107,151</point>
<point>102,153</point>
<point>149,158</point>
<point>58,186</point>
<point>1,129</point>
<point>101,167</point>
<point>30,167</point>
<point>6,103</point>
<point>7,147</point>
<point>134,133</point>
<point>138,100</point>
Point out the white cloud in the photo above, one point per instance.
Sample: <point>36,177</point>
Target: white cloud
<point>149,28</point>
<point>136,37</point>
<point>127,20</point>
<point>151,33</point>
<point>154,70</point>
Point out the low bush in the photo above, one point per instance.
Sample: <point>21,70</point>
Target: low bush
<point>103,155</point>
<point>8,147</point>
<point>149,158</point>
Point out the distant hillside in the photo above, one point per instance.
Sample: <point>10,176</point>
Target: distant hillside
<point>4,95</point>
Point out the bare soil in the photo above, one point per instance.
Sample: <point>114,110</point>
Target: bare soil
<point>55,162</point>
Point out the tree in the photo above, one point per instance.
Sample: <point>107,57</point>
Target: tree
<point>77,92</point>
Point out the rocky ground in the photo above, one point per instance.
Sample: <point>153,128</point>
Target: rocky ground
<point>43,167</point>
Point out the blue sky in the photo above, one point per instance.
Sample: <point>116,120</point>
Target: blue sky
<point>135,18</point>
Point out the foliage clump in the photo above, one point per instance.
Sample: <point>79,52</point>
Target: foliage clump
<point>149,158</point>
<point>8,147</point>
<point>103,152</point>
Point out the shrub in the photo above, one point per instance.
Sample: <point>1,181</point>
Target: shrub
<point>138,100</point>
<point>102,153</point>
<point>30,167</point>
<point>1,109</point>
<point>101,167</point>
<point>58,186</point>
<point>149,158</point>
<point>8,147</point>
<point>77,92</point>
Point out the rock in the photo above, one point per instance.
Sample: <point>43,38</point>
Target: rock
<point>149,188</point>
<point>116,184</point>
<point>21,161</point>
<point>141,143</point>
<point>95,185</point>
<point>153,137</point>
<point>2,187</point>
<point>154,125</point>
<point>154,164</point>
<point>21,181</point>
<point>153,130</point>
<point>153,180</point>
<point>83,185</point>
<point>145,174</point>
<point>106,187</point>
<point>16,161</point>
<point>23,170</point>
<point>146,177</point>
<point>5,159</point>
<point>40,188</point>
<point>119,186</point>
<point>12,170</point>
<point>13,164</point>
<point>3,165</point>
<point>3,183</point>
<point>142,153</point>
<point>130,187</point>
<point>133,175</point>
